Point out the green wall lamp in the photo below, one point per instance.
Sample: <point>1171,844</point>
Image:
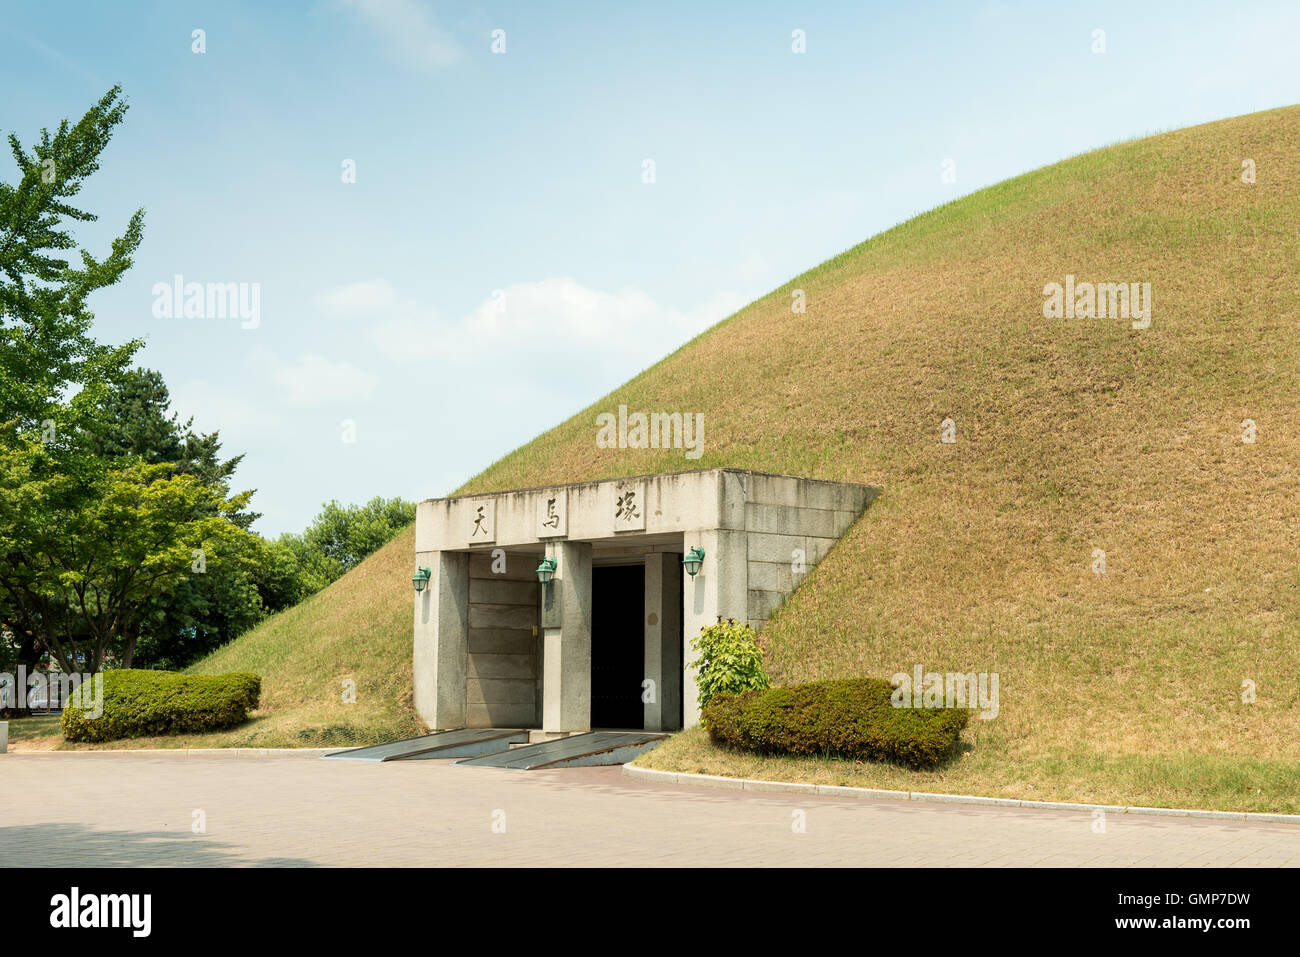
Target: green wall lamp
<point>693,560</point>
<point>421,578</point>
<point>546,571</point>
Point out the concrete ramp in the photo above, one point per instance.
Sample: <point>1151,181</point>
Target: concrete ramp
<point>587,750</point>
<point>462,743</point>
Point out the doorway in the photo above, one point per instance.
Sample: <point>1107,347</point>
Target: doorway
<point>617,646</point>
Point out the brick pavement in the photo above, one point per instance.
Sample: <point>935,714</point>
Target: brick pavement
<point>133,810</point>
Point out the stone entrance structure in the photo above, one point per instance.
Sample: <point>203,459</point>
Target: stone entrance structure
<point>496,648</point>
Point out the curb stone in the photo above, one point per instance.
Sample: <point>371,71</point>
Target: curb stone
<point>836,790</point>
<point>648,774</point>
<point>939,798</point>
<point>715,781</point>
<point>1271,818</point>
<point>780,786</point>
<point>1075,806</point>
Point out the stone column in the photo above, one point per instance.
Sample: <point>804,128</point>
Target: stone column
<point>566,619</point>
<point>442,640</point>
<point>721,588</point>
<point>663,640</point>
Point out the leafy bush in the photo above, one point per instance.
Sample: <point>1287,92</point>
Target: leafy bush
<point>142,703</point>
<point>850,717</point>
<point>730,660</point>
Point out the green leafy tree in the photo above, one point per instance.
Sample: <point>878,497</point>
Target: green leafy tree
<point>88,540</point>
<point>280,579</point>
<point>345,534</point>
<point>205,609</point>
<point>52,372</point>
<point>46,350</point>
<point>85,554</point>
<point>312,568</point>
<point>336,541</point>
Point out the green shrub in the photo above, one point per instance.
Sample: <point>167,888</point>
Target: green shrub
<point>730,660</point>
<point>850,717</point>
<point>142,703</point>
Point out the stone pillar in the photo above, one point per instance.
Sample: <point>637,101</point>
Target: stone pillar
<point>721,588</point>
<point>566,619</point>
<point>442,640</point>
<point>663,640</point>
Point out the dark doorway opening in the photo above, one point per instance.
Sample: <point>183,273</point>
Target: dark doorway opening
<point>617,646</point>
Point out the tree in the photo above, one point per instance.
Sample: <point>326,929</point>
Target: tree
<point>312,568</point>
<point>279,576</point>
<point>85,554</point>
<point>217,603</point>
<point>52,373</point>
<point>347,534</point>
<point>135,419</point>
<point>88,540</point>
<point>204,611</point>
<point>337,540</point>
<point>46,350</point>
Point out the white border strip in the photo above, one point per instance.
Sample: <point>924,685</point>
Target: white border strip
<point>833,790</point>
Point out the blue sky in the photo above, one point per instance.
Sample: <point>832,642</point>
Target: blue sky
<point>499,262</point>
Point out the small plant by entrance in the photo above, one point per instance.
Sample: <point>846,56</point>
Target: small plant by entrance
<point>730,660</point>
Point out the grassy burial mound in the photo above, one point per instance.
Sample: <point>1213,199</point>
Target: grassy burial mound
<point>1097,533</point>
<point>1078,441</point>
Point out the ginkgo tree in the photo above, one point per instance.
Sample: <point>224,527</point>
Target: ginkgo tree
<point>86,540</point>
<point>52,371</point>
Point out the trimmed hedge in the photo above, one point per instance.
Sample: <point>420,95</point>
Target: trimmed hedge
<point>143,703</point>
<point>850,717</point>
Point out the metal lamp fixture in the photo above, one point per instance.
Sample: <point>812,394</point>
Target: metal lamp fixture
<point>421,578</point>
<point>546,571</point>
<point>693,559</point>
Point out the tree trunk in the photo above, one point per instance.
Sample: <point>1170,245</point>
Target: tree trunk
<point>129,635</point>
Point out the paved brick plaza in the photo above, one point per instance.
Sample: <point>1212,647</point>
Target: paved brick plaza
<point>127,809</point>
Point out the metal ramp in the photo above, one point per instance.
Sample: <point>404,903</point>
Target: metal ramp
<point>590,749</point>
<point>462,743</point>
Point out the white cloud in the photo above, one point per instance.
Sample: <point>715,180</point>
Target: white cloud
<point>312,380</point>
<point>517,363</point>
<point>410,32</point>
<point>548,325</point>
<point>359,299</point>
<point>401,327</point>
